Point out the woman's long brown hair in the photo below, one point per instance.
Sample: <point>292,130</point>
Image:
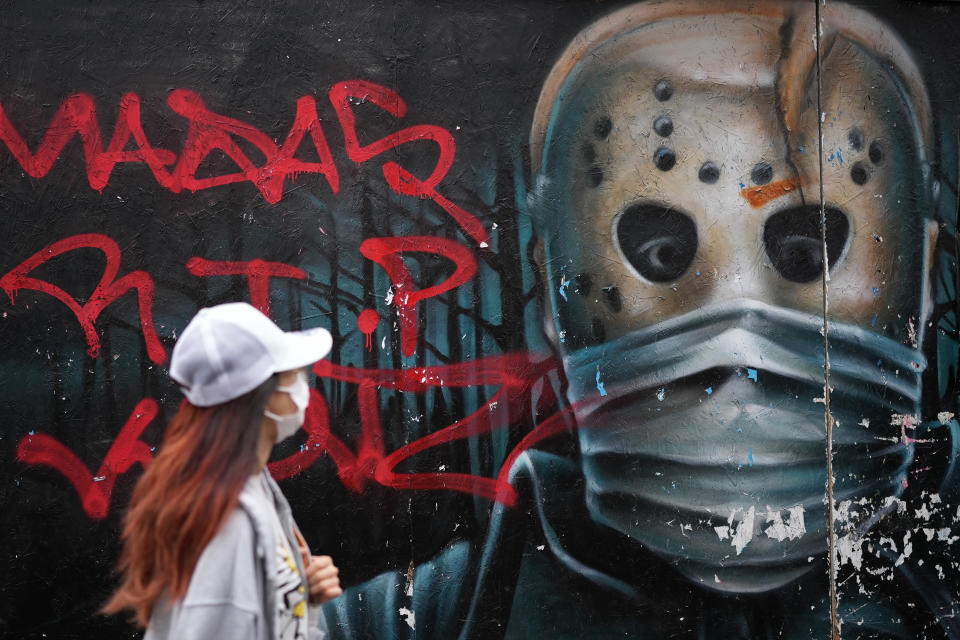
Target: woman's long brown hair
<point>183,498</point>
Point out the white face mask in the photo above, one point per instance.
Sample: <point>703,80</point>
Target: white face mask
<point>289,423</point>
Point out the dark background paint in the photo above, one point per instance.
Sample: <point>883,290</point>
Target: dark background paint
<point>474,69</point>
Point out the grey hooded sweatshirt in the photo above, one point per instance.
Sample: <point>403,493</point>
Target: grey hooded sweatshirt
<point>231,595</point>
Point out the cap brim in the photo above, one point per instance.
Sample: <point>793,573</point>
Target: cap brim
<point>302,348</point>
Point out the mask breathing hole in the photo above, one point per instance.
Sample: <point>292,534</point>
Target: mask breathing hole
<point>793,244</point>
<point>658,241</point>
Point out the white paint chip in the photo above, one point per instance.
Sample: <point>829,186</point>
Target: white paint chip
<point>791,529</point>
<point>850,549</point>
<point>410,572</point>
<point>944,536</point>
<point>904,420</point>
<point>409,617</point>
<point>744,533</point>
<point>907,550</point>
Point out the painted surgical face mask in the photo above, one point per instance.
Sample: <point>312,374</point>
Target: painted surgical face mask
<point>708,443</point>
<point>289,423</point>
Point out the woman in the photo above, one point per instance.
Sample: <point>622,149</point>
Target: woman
<point>210,546</point>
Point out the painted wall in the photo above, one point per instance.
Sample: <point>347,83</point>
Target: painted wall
<point>588,358</point>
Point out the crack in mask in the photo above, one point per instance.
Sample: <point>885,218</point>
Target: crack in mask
<point>709,444</point>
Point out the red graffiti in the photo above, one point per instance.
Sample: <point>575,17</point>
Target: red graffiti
<point>387,253</point>
<point>257,272</point>
<point>209,131</point>
<point>94,490</point>
<point>515,374</point>
<point>108,290</point>
<point>78,116</point>
<point>401,180</point>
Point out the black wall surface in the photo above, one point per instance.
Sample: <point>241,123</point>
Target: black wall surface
<point>81,411</point>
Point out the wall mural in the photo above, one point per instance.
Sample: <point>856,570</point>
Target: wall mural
<point>645,314</point>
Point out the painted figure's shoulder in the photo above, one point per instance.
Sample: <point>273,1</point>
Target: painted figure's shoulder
<point>396,604</point>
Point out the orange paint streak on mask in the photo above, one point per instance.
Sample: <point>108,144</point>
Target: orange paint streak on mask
<point>759,196</point>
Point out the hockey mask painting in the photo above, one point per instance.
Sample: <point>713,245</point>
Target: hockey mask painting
<point>678,190</point>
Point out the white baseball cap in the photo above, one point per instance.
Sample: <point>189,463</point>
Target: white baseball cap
<point>230,349</point>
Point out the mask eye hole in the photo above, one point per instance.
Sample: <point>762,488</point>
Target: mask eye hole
<point>658,241</point>
<point>793,244</point>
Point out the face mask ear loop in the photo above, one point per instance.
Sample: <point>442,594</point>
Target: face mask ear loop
<point>290,387</point>
<point>954,431</point>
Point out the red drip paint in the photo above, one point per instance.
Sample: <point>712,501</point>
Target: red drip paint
<point>94,491</point>
<point>387,253</point>
<point>367,322</point>
<point>257,272</point>
<point>108,290</point>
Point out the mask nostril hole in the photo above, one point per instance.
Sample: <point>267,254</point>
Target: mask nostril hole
<point>658,241</point>
<point>794,246</point>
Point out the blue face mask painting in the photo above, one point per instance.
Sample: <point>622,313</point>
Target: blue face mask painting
<point>708,445</point>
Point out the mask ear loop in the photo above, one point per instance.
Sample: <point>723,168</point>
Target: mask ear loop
<point>937,182</point>
<point>954,432</point>
<point>301,375</point>
<point>933,452</point>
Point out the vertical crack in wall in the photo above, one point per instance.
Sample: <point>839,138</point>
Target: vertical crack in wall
<point>825,276</point>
